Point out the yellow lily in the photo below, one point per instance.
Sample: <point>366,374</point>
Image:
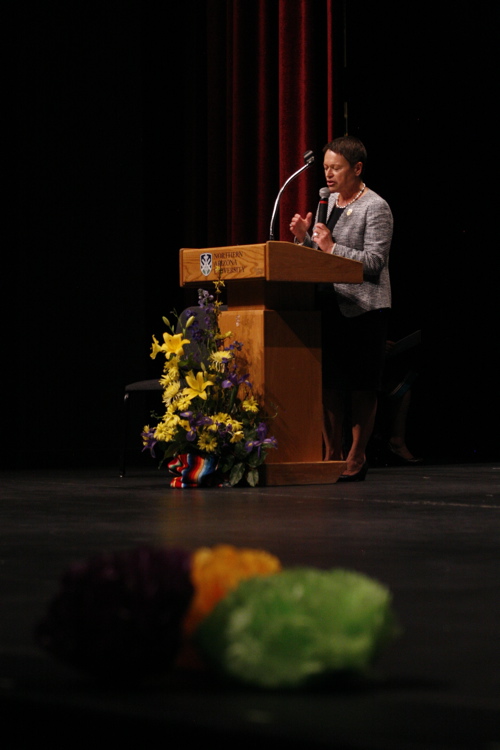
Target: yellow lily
<point>197,385</point>
<point>173,344</point>
<point>155,348</point>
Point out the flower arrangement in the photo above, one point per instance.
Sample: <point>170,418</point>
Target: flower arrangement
<point>213,426</point>
<point>135,615</point>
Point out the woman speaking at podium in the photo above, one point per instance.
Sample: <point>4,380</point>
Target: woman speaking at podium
<point>356,224</point>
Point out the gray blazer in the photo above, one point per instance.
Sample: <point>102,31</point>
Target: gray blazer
<point>363,232</point>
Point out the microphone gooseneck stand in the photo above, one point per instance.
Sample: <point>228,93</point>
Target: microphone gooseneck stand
<point>309,159</point>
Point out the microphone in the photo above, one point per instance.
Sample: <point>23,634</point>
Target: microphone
<point>309,159</point>
<point>324,194</point>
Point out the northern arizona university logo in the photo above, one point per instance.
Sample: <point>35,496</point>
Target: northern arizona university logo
<point>206,263</point>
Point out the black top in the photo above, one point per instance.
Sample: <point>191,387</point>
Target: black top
<point>334,217</point>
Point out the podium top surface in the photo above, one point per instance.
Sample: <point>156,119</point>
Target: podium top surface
<point>269,261</point>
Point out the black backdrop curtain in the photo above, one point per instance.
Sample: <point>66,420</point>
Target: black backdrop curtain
<point>144,128</point>
<point>246,90</point>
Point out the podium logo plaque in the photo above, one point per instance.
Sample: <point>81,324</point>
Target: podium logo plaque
<point>206,264</point>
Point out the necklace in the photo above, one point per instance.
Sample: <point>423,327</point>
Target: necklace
<point>353,200</point>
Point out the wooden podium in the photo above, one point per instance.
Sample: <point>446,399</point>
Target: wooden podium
<point>270,298</point>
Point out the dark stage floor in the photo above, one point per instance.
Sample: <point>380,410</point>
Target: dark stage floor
<point>430,533</point>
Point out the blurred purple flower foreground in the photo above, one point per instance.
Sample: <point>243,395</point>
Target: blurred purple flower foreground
<point>119,615</point>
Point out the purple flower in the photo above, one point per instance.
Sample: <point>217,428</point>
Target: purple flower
<point>235,345</point>
<point>149,442</point>
<point>235,380</point>
<point>118,616</point>
<point>195,421</point>
<point>261,430</point>
<point>262,440</point>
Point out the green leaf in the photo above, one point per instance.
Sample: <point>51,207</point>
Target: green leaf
<point>254,459</point>
<point>227,464</point>
<point>236,474</point>
<point>253,477</point>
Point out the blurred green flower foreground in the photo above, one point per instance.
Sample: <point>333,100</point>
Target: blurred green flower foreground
<point>294,628</point>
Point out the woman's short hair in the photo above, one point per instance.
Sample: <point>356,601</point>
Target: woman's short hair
<point>350,148</point>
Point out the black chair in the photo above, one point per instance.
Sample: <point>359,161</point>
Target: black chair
<point>141,386</point>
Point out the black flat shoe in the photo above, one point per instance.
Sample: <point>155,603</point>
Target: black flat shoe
<point>358,477</point>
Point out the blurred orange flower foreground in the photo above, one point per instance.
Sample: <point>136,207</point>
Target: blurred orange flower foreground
<point>217,570</point>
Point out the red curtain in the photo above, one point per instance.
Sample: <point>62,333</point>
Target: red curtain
<point>259,90</point>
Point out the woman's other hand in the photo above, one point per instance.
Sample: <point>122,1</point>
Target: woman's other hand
<point>300,226</point>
